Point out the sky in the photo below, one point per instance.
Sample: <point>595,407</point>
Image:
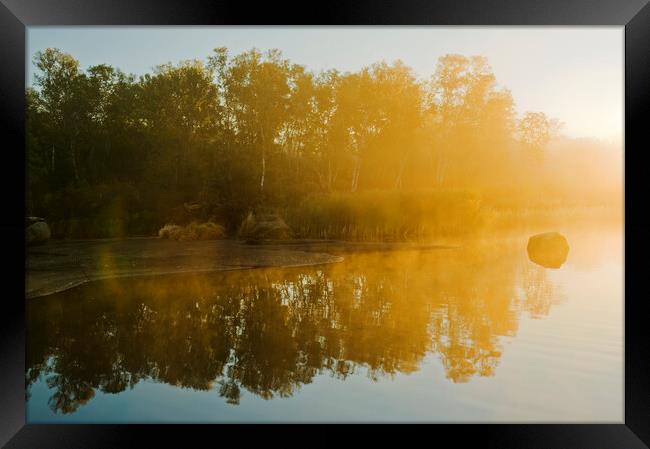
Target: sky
<point>574,74</point>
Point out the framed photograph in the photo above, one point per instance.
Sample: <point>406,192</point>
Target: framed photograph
<point>372,213</point>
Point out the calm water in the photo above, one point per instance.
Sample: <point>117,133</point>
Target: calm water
<point>474,334</point>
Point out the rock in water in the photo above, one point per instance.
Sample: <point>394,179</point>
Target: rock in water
<point>264,225</point>
<point>549,250</point>
<point>37,233</point>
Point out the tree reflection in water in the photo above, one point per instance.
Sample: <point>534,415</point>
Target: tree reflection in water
<point>270,331</point>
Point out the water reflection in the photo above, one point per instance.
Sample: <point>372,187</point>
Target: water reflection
<point>268,332</point>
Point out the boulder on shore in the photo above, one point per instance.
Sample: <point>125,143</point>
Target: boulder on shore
<point>549,249</point>
<point>36,231</point>
<point>264,224</point>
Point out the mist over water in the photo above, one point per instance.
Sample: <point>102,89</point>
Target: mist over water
<point>478,333</point>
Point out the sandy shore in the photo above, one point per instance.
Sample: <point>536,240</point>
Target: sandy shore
<point>60,265</point>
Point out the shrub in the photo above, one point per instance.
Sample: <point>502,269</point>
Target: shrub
<point>193,231</point>
<point>170,231</point>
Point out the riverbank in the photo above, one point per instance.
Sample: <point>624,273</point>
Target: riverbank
<point>63,264</point>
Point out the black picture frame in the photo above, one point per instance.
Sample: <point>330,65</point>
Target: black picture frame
<point>16,15</point>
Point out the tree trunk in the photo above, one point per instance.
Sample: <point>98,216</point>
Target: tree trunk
<point>329,175</point>
<point>438,165</point>
<point>402,167</point>
<point>75,168</point>
<point>355,175</point>
<point>398,180</point>
<point>176,169</point>
<point>262,177</point>
<point>263,169</point>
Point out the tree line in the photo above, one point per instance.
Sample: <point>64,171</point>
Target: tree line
<point>109,153</point>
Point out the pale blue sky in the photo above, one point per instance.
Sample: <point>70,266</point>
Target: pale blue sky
<point>574,74</point>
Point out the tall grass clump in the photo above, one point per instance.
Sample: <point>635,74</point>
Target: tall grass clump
<point>522,210</point>
<point>386,215</point>
<point>193,231</point>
